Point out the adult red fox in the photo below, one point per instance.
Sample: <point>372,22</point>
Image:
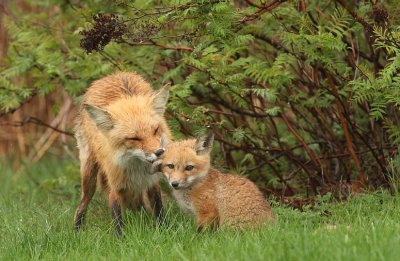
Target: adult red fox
<point>120,131</point>
<point>212,197</point>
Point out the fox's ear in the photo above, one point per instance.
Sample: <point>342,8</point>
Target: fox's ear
<point>204,144</point>
<point>101,118</point>
<point>164,141</point>
<point>160,99</point>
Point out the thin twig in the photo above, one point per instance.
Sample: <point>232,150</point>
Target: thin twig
<point>263,9</point>
<point>340,108</point>
<point>359,19</point>
<point>33,120</point>
<point>27,100</point>
<point>163,46</point>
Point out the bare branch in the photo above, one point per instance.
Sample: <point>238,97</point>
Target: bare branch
<point>263,9</point>
<point>27,100</point>
<point>33,120</point>
<point>163,46</point>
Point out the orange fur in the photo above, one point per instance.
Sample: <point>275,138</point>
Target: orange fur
<point>214,198</point>
<point>120,127</point>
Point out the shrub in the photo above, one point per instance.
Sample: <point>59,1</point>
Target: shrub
<point>300,94</point>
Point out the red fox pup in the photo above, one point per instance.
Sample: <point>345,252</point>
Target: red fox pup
<point>120,131</point>
<point>214,198</point>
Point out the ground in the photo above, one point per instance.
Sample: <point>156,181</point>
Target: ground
<point>37,205</point>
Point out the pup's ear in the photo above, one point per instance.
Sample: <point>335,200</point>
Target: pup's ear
<point>204,144</point>
<point>160,99</point>
<point>100,117</point>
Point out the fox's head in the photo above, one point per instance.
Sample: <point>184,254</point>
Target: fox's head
<point>135,125</point>
<point>186,162</point>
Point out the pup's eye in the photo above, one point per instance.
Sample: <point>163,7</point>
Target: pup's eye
<point>156,130</point>
<point>189,167</point>
<point>134,138</point>
<point>171,166</point>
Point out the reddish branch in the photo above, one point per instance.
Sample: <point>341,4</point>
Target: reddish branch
<point>391,148</point>
<point>263,9</point>
<point>27,100</point>
<point>265,6</point>
<point>359,19</point>
<point>301,140</point>
<point>36,121</point>
<point>163,46</point>
<point>342,120</point>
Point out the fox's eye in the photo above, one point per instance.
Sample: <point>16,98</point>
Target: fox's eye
<point>189,167</point>
<point>134,138</point>
<point>156,130</point>
<point>171,166</point>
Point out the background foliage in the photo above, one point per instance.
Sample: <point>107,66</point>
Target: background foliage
<point>303,96</point>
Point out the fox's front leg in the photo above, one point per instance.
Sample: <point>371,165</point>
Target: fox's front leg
<point>154,195</point>
<point>207,218</point>
<point>115,201</point>
<point>89,170</point>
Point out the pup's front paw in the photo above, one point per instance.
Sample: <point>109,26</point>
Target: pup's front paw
<point>156,167</point>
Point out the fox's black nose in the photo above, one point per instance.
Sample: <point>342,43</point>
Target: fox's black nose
<point>174,184</point>
<point>159,152</point>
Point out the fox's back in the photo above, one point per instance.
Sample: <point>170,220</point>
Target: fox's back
<point>240,202</point>
<point>116,86</point>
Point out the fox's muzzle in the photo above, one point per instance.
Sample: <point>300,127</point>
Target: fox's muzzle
<point>152,157</point>
<point>159,152</point>
<point>175,184</point>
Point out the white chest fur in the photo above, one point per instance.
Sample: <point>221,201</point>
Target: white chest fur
<point>184,201</point>
<point>136,171</point>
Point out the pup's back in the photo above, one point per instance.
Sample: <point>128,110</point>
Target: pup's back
<point>240,202</point>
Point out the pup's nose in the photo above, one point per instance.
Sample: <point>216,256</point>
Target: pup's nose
<point>174,184</point>
<point>159,152</point>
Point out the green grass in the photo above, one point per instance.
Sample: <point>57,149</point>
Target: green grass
<point>37,207</point>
